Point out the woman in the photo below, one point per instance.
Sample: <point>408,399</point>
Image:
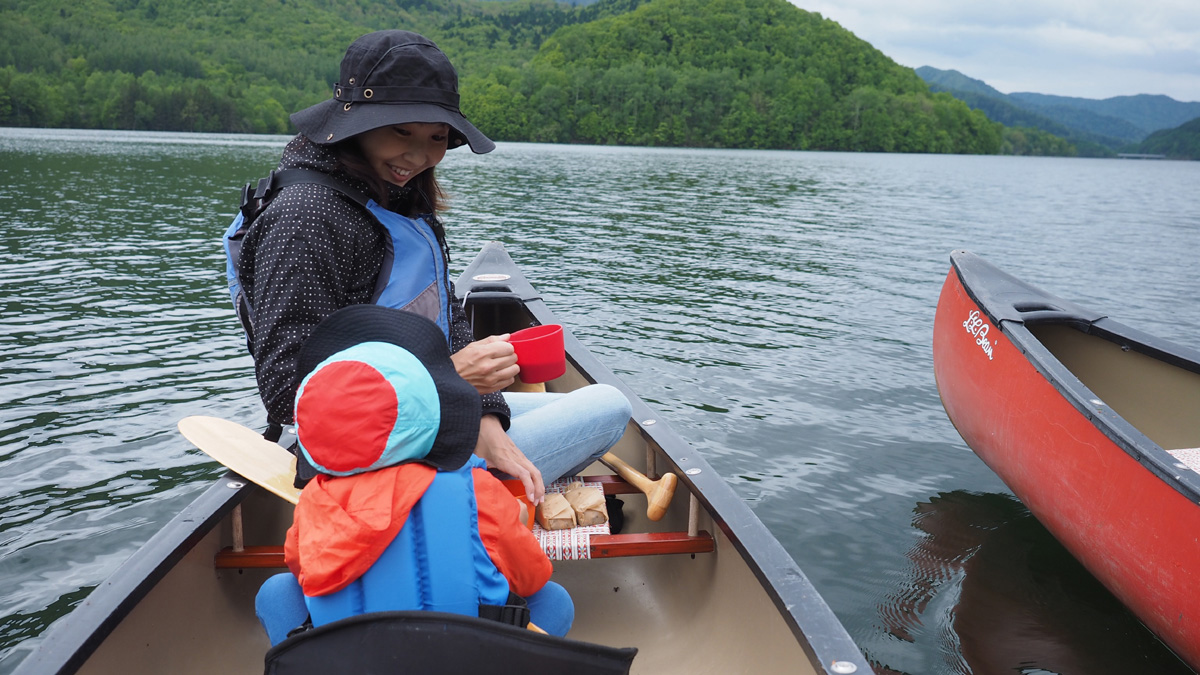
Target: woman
<point>314,250</point>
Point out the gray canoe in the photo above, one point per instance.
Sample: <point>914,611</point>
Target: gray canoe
<point>706,589</point>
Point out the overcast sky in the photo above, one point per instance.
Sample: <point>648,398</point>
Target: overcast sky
<point>1088,48</point>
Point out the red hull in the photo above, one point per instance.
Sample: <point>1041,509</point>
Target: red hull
<point>1134,531</point>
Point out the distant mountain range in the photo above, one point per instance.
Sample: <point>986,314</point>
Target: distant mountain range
<point>1118,123</point>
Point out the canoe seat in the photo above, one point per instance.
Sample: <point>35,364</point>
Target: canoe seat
<point>435,643</point>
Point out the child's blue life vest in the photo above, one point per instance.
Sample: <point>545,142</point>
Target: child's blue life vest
<point>414,275</point>
<point>437,562</point>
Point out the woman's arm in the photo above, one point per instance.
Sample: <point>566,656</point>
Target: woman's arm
<point>500,453</point>
<point>489,365</point>
<point>484,364</point>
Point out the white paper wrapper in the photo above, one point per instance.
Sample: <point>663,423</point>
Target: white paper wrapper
<point>555,512</point>
<point>588,504</point>
<point>575,543</point>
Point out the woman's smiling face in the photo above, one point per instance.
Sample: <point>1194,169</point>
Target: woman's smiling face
<point>400,151</point>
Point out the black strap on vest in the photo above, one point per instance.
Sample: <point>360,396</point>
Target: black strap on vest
<point>515,612</point>
<point>255,198</point>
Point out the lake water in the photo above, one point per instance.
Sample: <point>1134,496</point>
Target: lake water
<point>775,307</point>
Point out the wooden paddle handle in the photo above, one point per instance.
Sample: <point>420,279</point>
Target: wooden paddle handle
<point>658,492</point>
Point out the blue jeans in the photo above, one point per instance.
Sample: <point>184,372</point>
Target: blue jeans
<point>563,433</point>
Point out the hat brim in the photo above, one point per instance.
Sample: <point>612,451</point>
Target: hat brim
<point>461,407</point>
<point>329,121</point>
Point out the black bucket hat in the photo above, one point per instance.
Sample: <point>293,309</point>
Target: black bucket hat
<point>458,401</point>
<point>391,77</point>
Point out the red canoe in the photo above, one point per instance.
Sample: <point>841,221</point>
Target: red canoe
<point>1094,425</point>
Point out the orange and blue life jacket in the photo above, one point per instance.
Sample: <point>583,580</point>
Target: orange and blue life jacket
<point>436,562</point>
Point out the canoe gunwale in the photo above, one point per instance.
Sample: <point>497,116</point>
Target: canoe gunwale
<point>1009,301</point>
<point>84,629</point>
<point>790,591</point>
<point>979,280</point>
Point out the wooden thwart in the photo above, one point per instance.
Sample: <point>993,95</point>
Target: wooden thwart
<point>650,543</point>
<point>612,484</point>
<point>602,545</point>
<point>272,467</point>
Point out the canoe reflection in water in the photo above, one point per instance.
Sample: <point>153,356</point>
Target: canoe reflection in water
<point>1024,604</point>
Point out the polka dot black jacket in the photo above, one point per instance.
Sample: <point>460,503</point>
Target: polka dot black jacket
<point>310,253</point>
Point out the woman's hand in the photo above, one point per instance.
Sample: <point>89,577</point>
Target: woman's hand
<point>495,447</point>
<point>489,364</point>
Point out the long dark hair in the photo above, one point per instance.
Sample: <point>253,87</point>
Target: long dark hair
<point>421,195</point>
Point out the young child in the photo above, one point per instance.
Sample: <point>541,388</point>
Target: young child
<point>402,516</point>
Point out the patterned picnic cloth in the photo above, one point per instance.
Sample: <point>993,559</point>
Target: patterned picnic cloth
<point>572,544</point>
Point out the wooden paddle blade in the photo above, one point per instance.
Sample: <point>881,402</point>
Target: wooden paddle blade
<point>245,452</point>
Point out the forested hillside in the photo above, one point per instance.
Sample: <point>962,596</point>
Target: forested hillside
<point>727,73</point>
<point>714,73</point>
<point>1015,114</point>
<point>1182,142</point>
<point>227,65</point>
